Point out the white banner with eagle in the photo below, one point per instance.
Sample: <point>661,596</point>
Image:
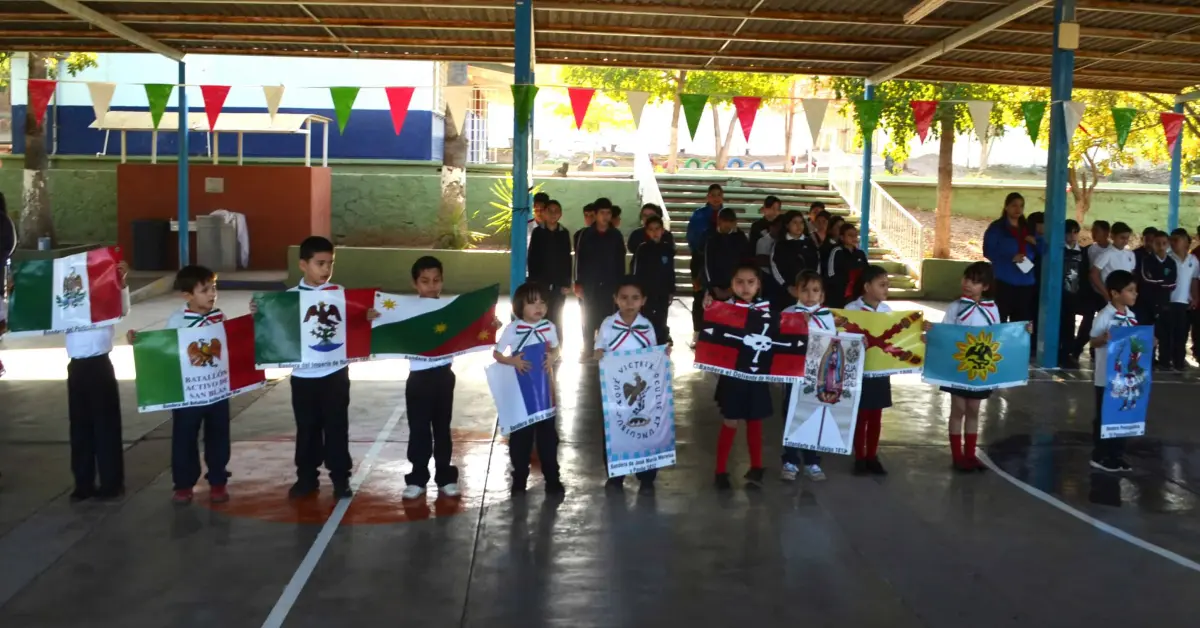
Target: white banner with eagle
<point>639,410</point>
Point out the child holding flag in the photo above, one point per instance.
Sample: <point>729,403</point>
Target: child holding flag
<point>1108,453</point>
<point>810,293</point>
<point>872,291</point>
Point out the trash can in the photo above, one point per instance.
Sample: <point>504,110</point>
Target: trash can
<point>216,244</point>
<point>150,239</point>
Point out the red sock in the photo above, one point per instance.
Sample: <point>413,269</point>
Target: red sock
<point>969,441</point>
<point>724,446</point>
<point>956,450</point>
<point>874,426</point>
<point>754,443</point>
<point>860,436</point>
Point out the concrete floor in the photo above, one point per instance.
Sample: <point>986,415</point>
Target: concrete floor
<point>921,547</point>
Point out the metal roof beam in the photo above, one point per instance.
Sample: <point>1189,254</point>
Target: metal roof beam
<point>116,28</point>
<point>978,29</point>
<point>1188,97</point>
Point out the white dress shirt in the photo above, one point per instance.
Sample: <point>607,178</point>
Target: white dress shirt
<point>90,343</point>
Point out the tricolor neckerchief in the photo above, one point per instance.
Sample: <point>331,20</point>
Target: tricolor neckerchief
<point>984,306</point>
<point>639,332</point>
<point>814,315</point>
<point>526,332</point>
<point>757,306</point>
<point>196,319</point>
<point>867,306</point>
<point>1124,320</point>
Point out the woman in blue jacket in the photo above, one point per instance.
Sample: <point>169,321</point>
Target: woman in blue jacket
<point>1007,243</point>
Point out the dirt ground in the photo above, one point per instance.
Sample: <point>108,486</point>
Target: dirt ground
<point>966,234</point>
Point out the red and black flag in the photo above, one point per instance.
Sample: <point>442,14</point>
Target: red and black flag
<point>746,341</point>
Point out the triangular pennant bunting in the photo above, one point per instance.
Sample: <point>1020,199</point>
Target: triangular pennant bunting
<point>101,94</point>
<point>1123,121</point>
<point>693,108</point>
<point>214,100</point>
<point>814,113</point>
<point>981,117</point>
<point>158,94</point>
<point>40,92</point>
<point>398,100</point>
<point>1172,124</point>
<point>747,108</point>
<point>457,98</point>
<point>1033,113</point>
<point>923,111</point>
<point>637,101</point>
<point>343,102</point>
<point>274,95</point>
<point>523,97</point>
<point>581,99</point>
<point>867,112</point>
<point>1072,115</point>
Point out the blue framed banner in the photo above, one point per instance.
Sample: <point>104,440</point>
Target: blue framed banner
<point>977,357</point>
<point>522,399</point>
<point>1127,391</point>
<point>639,410</point>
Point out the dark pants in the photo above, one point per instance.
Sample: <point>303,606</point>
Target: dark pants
<point>94,410</point>
<point>520,448</point>
<point>1194,317</point>
<point>655,311</point>
<point>185,445</point>
<point>1103,449</point>
<point>1066,330</point>
<point>1172,331</point>
<point>322,407</point>
<point>696,270</point>
<point>554,308</point>
<point>1084,335</point>
<point>597,306</point>
<point>1016,303</point>
<point>429,399</point>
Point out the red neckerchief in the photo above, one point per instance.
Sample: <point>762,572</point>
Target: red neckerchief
<point>1020,233</point>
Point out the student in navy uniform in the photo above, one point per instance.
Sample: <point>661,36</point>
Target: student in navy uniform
<point>702,221</point>
<point>770,211</point>
<point>589,219</point>
<point>794,252</point>
<point>601,264</point>
<point>724,249</point>
<point>846,262</point>
<point>1145,245</point>
<point>833,239</point>
<point>637,236</point>
<point>653,266</point>
<point>549,260</point>
<point>1074,296</point>
<point>1156,277</point>
<point>1186,294</point>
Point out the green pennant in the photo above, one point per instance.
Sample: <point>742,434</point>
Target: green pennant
<point>158,94</point>
<point>1123,120</point>
<point>343,101</point>
<point>1033,112</point>
<point>523,97</point>
<point>867,113</point>
<point>693,108</point>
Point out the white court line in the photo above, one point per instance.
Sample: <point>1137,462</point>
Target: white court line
<point>1088,519</point>
<point>292,591</point>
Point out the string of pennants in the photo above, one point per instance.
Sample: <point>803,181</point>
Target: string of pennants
<point>867,112</point>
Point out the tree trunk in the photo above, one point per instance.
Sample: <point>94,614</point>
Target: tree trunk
<point>941,231</point>
<point>677,106</point>
<point>723,148</point>
<point>985,149</point>
<point>36,219</point>
<point>718,149</point>
<point>789,123</point>
<point>452,228</point>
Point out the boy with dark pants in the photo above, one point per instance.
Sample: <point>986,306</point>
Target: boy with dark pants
<point>1108,453</point>
<point>1074,291</point>
<point>549,261</point>
<point>429,404</point>
<point>1156,277</point>
<point>1185,296</point>
<point>703,221</point>
<point>654,267</point>
<point>601,263</point>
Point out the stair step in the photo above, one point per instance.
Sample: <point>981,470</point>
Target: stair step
<point>726,179</point>
<point>684,210</point>
<point>742,191</point>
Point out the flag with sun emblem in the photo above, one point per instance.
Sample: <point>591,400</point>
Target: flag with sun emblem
<point>977,358</point>
<point>433,329</point>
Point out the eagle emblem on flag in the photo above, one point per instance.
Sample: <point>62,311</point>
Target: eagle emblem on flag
<point>328,317</point>
<point>72,292</point>
<point>748,342</point>
<point>204,352</point>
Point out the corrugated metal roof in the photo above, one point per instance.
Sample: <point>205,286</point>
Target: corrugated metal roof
<point>1149,45</point>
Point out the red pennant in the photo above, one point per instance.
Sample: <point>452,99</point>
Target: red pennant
<point>747,108</point>
<point>923,111</point>
<point>398,99</point>
<point>1172,124</point>
<point>581,99</point>
<point>40,91</point>
<point>214,101</point>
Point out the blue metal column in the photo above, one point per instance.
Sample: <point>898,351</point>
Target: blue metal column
<point>1062,75</point>
<point>522,75</point>
<point>1176,178</point>
<point>184,258</point>
<point>864,225</point>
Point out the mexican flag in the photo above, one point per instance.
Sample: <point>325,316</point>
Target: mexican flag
<point>70,293</point>
<point>195,366</point>
<point>312,328</point>
<point>432,329</point>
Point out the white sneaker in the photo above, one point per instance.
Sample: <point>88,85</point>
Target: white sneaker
<point>788,474</point>
<point>814,473</point>
<point>412,491</point>
<point>695,339</point>
<point>449,490</point>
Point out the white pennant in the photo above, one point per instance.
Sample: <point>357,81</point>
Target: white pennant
<point>637,100</point>
<point>1072,114</point>
<point>981,117</point>
<point>101,94</point>
<point>273,94</point>
<point>814,112</point>
<point>458,97</point>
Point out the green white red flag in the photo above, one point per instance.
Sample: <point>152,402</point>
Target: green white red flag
<point>433,329</point>
<point>195,366</point>
<point>71,293</point>
<point>312,328</point>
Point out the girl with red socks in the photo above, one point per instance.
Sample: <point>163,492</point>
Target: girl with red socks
<point>872,291</point>
<point>739,399</point>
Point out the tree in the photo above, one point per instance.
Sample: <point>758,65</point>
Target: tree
<point>722,87</point>
<point>452,230</point>
<point>662,85</point>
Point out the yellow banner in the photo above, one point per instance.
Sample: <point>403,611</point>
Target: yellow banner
<point>893,339</point>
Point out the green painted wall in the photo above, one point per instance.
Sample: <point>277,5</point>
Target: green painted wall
<point>390,269</point>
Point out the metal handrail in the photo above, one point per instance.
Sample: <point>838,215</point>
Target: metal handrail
<point>895,226</point>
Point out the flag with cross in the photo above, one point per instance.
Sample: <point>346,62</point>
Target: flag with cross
<point>747,341</point>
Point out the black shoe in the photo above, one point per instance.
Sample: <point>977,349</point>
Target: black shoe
<point>1123,465</point>
<point>646,488</point>
<point>875,468</point>
<point>555,487</point>
<point>860,467</point>
<point>303,488</point>
<point>109,494</point>
<point>518,486</point>
<point>82,493</point>
<point>342,490</point>
<point>1070,362</point>
<point>754,478</point>
<point>615,484</point>
<point>722,482</point>
<point>1107,464</point>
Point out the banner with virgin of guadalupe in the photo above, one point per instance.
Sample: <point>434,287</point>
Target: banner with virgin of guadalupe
<point>1127,391</point>
<point>823,407</point>
<point>639,410</point>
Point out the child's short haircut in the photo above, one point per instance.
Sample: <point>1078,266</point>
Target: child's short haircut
<point>627,281</point>
<point>1159,233</point>
<point>425,263</point>
<point>1118,280</point>
<point>191,276</point>
<point>1119,228</point>
<point>541,197</point>
<point>816,205</point>
<point>981,273</point>
<point>1181,233</point>
<point>616,211</point>
<point>313,245</point>
<point>1071,226</point>
<point>872,273</point>
<point>1101,224</point>
<point>770,200</point>
<point>808,276</point>
<point>842,228</point>
<point>728,215</point>
<point>1149,231</point>
<point>554,203</point>
<point>651,206</point>
<point>528,293</point>
<point>589,208</point>
<point>750,267</point>
<point>824,214</point>
<point>654,220</point>
<point>1036,218</point>
<point>717,187</point>
<point>602,203</point>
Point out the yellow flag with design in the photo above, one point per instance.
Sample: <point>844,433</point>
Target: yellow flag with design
<point>893,340</point>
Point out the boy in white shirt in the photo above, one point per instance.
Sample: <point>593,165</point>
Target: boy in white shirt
<point>1184,297</point>
<point>1116,257</point>
<point>1108,453</point>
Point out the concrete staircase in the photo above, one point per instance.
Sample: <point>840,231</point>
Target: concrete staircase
<point>686,191</point>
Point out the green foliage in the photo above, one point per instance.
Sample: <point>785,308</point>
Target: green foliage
<point>604,113</point>
<point>455,239</point>
<point>76,62</point>
<point>721,87</point>
<point>501,221</point>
